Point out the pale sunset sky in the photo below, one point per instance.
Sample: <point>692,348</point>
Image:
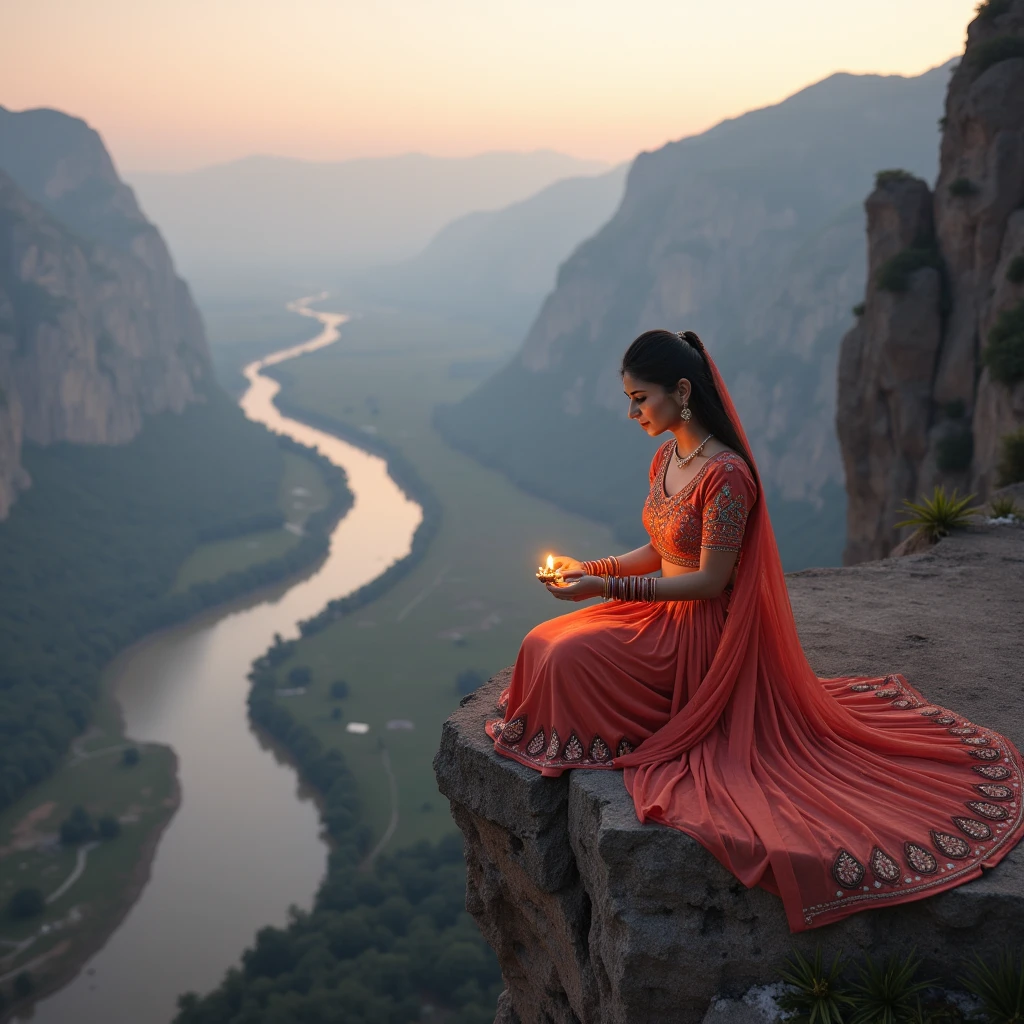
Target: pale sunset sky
<point>183,84</point>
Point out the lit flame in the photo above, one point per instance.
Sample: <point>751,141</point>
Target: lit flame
<point>551,563</point>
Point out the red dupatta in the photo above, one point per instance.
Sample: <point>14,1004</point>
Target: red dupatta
<point>836,794</point>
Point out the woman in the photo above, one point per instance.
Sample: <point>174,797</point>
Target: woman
<point>835,794</point>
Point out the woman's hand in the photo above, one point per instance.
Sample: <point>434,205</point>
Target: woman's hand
<point>567,565</point>
<point>582,589</point>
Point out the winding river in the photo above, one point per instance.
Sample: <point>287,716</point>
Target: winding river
<point>245,843</point>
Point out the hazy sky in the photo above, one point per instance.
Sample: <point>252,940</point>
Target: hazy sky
<point>176,85</point>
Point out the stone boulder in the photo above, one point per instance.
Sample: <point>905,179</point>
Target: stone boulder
<point>598,919</point>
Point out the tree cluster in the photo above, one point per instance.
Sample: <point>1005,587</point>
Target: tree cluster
<point>89,553</point>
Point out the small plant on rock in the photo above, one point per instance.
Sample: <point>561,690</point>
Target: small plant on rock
<point>892,175</point>
<point>1004,507</point>
<point>937,515</point>
<point>816,996</point>
<point>1015,271</point>
<point>887,993</point>
<point>1011,458</point>
<point>992,8</point>
<point>962,188</point>
<point>858,310</point>
<point>894,274</point>
<point>1004,354</point>
<point>1000,988</point>
<point>994,51</point>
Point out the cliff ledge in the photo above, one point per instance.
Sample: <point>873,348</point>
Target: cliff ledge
<point>598,919</point>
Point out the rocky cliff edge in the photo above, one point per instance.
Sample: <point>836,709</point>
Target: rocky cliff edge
<point>598,919</point>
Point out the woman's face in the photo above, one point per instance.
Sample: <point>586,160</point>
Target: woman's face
<point>654,408</point>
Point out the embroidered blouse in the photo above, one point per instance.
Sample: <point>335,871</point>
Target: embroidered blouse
<point>709,512</point>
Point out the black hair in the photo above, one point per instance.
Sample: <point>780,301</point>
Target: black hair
<point>664,358</point>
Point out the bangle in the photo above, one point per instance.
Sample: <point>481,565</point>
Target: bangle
<point>631,588</point>
<point>601,567</point>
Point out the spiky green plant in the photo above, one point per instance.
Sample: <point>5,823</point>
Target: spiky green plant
<point>1004,506</point>
<point>887,992</point>
<point>1000,988</point>
<point>935,1013</point>
<point>937,515</point>
<point>816,996</point>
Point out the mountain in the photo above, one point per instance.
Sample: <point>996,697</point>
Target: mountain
<point>272,215</point>
<point>96,329</point>
<point>749,234</point>
<point>496,266</point>
<point>931,378</point>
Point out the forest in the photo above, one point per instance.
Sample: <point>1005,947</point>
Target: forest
<point>380,943</point>
<point>89,553</point>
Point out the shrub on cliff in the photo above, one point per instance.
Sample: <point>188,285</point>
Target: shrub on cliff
<point>1011,459</point>
<point>892,176</point>
<point>955,450</point>
<point>1004,354</point>
<point>987,10</point>
<point>894,274</point>
<point>994,51</point>
<point>1015,271</point>
<point>25,903</point>
<point>961,188</point>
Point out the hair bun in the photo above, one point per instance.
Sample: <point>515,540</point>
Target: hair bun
<point>692,339</point>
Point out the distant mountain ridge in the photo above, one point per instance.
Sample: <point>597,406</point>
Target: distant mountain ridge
<point>751,235</point>
<point>496,266</point>
<point>96,329</point>
<point>265,215</point>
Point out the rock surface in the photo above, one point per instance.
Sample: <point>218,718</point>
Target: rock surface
<point>598,919</point>
<point>917,407</point>
<point>96,329</point>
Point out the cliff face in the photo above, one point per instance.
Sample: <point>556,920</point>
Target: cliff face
<point>96,330</point>
<point>918,406</point>
<point>750,235</point>
<point>598,919</point>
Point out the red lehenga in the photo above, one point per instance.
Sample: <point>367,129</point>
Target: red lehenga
<point>835,794</point>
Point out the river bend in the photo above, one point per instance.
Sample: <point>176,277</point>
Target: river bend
<point>245,843</point>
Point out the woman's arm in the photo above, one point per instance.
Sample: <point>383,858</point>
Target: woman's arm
<point>706,582</point>
<point>638,562</point>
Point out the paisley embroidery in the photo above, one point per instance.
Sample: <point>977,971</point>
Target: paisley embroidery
<point>906,702</point>
<point>886,694</point>
<point>847,870</point>
<point>725,518</point>
<point>863,687</point>
<point>961,730</point>
<point>946,720</point>
<point>599,750</point>
<point>991,811</point>
<point>972,828</point>
<point>497,725</point>
<point>951,846</point>
<point>923,862</point>
<point>513,731</point>
<point>994,792</point>
<point>555,745</point>
<point>993,771</point>
<point>884,867</point>
<point>573,749</point>
<point>624,748</point>
<point>537,744</point>
<point>985,753</point>
<point>931,712</point>
<point>975,741</point>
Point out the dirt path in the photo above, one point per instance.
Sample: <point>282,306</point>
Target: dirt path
<point>83,856</point>
<point>393,823</point>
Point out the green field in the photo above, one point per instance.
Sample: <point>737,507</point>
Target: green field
<point>469,602</point>
<point>142,797</point>
<point>302,492</point>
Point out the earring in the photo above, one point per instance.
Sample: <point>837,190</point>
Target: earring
<point>685,414</point>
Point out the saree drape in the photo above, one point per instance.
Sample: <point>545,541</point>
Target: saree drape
<point>836,794</point>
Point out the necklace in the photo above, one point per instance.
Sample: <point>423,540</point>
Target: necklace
<point>682,460</point>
